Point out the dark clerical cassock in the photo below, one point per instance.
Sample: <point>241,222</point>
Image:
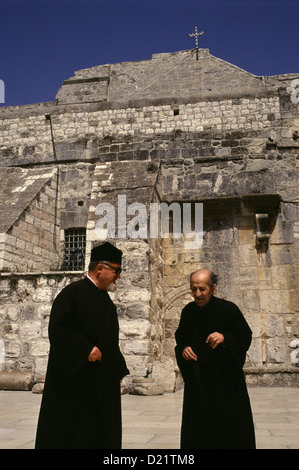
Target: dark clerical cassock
<point>216,408</point>
<point>81,404</point>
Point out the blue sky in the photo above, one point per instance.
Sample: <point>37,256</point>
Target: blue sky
<point>43,42</point>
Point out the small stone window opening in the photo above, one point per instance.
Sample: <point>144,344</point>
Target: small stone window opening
<point>74,249</point>
<point>176,112</point>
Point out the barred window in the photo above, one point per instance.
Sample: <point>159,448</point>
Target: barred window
<point>74,249</point>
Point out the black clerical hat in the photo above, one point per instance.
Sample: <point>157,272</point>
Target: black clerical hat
<point>106,252</point>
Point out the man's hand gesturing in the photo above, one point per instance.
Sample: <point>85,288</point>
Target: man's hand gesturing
<point>95,355</point>
<point>189,355</point>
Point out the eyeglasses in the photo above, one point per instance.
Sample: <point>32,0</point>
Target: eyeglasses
<point>116,270</point>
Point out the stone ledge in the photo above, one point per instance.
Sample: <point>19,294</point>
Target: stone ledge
<point>40,273</point>
<point>276,377</point>
<point>16,380</point>
<point>144,386</point>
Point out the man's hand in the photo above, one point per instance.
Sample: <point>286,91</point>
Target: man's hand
<point>95,355</point>
<point>189,355</point>
<point>214,339</point>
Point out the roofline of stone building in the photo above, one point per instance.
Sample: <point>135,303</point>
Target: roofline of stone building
<point>80,76</point>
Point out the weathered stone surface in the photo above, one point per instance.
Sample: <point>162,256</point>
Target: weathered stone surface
<point>268,377</point>
<point>295,354</point>
<point>144,386</point>
<point>166,129</point>
<point>164,75</point>
<point>16,380</point>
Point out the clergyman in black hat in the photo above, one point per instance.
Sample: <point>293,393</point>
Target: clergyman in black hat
<point>81,403</point>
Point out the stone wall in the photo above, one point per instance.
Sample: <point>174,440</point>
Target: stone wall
<point>108,134</point>
<point>177,76</point>
<point>259,280</point>
<point>30,239</point>
<point>169,129</point>
<point>26,301</point>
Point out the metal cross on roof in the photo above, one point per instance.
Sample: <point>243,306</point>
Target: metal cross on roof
<point>196,34</point>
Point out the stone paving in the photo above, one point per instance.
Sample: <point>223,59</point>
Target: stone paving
<point>154,422</point>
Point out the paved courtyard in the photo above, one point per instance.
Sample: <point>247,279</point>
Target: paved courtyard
<point>154,422</point>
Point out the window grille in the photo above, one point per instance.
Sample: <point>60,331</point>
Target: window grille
<point>74,249</point>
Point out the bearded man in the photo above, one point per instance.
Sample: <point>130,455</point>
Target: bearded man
<point>81,403</point>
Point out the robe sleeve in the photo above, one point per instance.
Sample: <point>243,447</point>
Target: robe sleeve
<point>69,348</point>
<point>237,339</point>
<point>182,337</point>
<point>112,360</point>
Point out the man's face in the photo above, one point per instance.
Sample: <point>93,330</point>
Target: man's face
<point>108,273</point>
<point>201,289</point>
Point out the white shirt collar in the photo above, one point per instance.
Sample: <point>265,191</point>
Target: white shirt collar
<point>91,280</point>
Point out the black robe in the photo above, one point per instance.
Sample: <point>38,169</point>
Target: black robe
<point>216,407</point>
<point>81,403</point>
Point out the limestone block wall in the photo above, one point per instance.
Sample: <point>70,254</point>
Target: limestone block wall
<point>167,129</point>
<point>74,194</point>
<point>260,281</point>
<point>26,301</point>
<point>107,134</point>
<point>133,301</point>
<point>30,240</point>
<point>138,296</point>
